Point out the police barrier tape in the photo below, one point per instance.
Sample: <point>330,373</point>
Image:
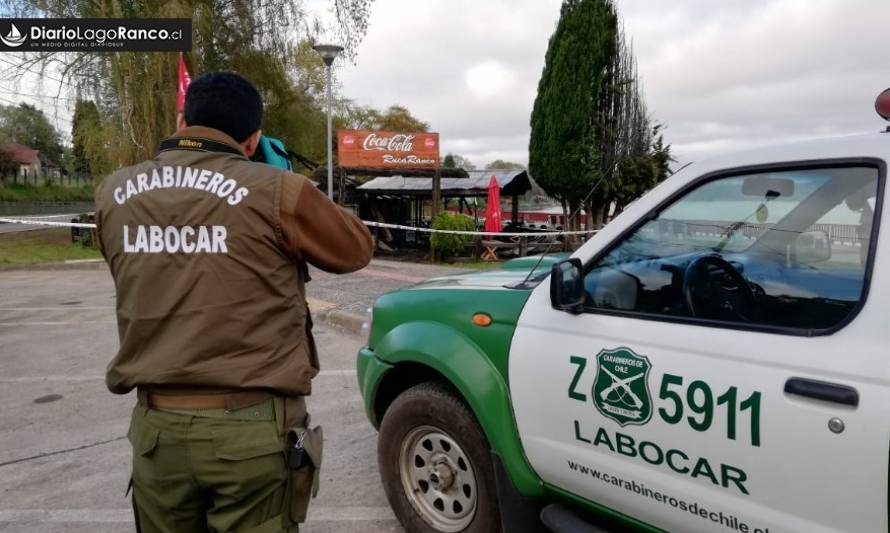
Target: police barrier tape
<point>37,222</point>
<point>490,233</point>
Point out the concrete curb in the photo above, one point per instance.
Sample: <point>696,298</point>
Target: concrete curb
<point>349,322</point>
<point>80,264</point>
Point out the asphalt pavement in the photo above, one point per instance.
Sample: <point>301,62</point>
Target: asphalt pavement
<point>355,293</point>
<point>64,457</point>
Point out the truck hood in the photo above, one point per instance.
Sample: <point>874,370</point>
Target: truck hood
<point>450,302</point>
<point>506,276</point>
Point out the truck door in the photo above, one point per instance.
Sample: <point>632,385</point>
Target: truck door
<point>728,370</point>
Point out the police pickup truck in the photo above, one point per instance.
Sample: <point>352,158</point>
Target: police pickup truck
<point>717,358</point>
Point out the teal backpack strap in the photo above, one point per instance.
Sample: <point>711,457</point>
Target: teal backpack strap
<point>272,152</point>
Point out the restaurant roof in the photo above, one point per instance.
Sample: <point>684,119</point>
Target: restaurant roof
<point>511,182</point>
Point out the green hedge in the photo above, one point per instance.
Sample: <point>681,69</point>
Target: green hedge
<point>451,245</point>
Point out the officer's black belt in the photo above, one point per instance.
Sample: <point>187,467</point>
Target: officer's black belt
<point>198,144</point>
<point>168,399</point>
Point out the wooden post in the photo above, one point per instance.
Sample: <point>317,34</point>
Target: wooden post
<point>434,209</point>
<point>417,205</point>
<point>341,186</point>
<point>437,193</point>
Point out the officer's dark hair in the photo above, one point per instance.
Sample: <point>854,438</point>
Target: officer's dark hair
<point>224,101</point>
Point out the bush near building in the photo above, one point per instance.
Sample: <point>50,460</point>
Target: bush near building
<point>449,245</point>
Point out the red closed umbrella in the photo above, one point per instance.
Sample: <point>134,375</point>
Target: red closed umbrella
<point>493,209</point>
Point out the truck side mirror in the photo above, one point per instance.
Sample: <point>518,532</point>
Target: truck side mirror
<point>567,286</point>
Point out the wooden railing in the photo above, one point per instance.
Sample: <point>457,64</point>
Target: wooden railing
<point>839,233</point>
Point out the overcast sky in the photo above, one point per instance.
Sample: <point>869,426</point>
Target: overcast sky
<point>721,75</point>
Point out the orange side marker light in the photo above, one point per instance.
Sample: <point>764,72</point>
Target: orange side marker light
<point>482,319</point>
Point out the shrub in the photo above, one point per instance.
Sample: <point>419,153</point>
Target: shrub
<point>449,244</point>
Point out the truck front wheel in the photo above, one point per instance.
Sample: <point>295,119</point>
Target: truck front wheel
<point>435,464</point>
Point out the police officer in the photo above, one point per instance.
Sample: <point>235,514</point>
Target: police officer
<point>208,251</point>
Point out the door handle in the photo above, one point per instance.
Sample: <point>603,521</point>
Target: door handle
<point>822,390</point>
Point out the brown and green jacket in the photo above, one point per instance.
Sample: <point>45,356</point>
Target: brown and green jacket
<point>208,251</point>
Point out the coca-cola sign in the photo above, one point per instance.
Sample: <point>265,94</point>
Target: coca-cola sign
<point>387,149</point>
<point>399,142</point>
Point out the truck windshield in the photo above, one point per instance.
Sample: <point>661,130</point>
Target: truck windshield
<point>786,249</point>
<point>720,216</point>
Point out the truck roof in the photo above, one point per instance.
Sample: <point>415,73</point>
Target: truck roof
<point>859,145</point>
<point>871,145</point>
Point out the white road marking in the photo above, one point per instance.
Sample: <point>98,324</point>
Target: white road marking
<point>66,323</point>
<point>66,515</point>
<point>343,372</point>
<point>95,516</point>
<point>38,379</point>
<point>64,308</point>
<point>343,514</point>
<point>78,379</point>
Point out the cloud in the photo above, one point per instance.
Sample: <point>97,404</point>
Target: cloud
<point>489,80</point>
<point>469,68</point>
<point>762,72</point>
<point>721,75</point>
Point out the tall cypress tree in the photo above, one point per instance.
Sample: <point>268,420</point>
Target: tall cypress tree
<point>590,127</point>
<point>563,153</point>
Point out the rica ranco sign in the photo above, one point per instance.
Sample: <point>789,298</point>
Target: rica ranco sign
<point>387,149</point>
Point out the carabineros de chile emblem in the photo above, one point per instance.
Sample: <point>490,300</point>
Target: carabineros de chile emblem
<point>621,388</point>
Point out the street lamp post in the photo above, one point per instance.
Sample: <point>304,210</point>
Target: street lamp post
<point>328,53</point>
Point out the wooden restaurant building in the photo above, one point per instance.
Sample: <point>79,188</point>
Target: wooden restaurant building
<point>406,200</point>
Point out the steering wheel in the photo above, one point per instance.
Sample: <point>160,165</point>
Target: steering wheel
<point>713,288</point>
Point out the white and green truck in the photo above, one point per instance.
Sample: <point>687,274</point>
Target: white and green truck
<point>717,358</point>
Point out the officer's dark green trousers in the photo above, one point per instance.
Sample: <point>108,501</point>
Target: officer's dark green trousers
<point>210,471</point>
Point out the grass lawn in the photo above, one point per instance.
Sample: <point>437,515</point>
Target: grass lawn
<point>475,265</point>
<point>41,246</point>
<point>46,193</point>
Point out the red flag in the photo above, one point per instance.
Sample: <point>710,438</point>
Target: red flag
<point>184,80</point>
<point>493,209</point>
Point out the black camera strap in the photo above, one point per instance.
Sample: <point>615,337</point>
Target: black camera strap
<point>198,144</point>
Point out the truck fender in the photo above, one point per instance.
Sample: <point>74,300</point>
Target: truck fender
<point>469,370</point>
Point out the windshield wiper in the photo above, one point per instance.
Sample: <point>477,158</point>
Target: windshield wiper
<point>736,226</point>
<point>730,231</point>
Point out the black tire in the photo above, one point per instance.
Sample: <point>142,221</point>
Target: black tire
<point>432,404</point>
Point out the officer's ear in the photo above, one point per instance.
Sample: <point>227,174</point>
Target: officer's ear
<point>250,144</point>
<point>180,120</point>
